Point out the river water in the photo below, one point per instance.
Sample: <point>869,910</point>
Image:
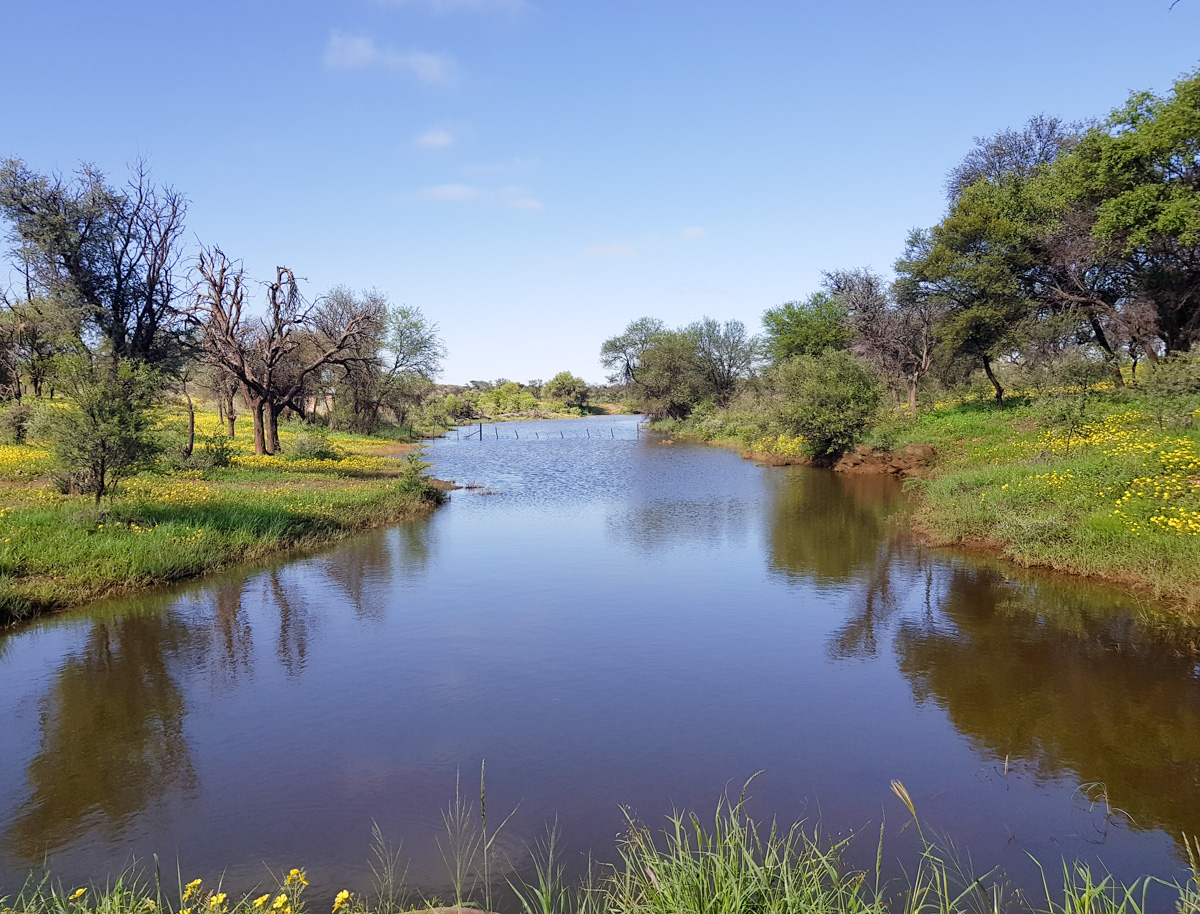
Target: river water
<point>620,626</point>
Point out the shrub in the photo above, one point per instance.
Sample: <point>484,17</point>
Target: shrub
<point>312,445</point>
<point>215,452</point>
<point>105,434</point>
<point>14,422</point>
<point>1171,390</point>
<point>829,399</point>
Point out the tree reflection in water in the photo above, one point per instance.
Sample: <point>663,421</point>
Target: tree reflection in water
<point>1061,679</point>
<point>112,735</point>
<point>843,523</point>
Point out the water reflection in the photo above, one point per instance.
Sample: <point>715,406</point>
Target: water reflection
<point>112,735</point>
<point>627,622</point>
<point>1057,679</point>
<point>826,528</point>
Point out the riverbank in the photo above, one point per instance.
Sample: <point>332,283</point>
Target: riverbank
<point>182,519</point>
<point>1113,493</point>
<point>734,864</point>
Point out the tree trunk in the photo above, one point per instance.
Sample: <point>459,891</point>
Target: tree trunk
<point>987,369</point>
<point>191,439</point>
<point>230,414</point>
<point>272,416</point>
<point>912,401</point>
<point>256,413</point>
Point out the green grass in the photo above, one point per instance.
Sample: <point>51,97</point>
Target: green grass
<point>1120,500</point>
<point>174,522</point>
<point>728,865</point>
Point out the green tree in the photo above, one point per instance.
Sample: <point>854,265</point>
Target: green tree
<point>568,389</point>
<point>110,253</point>
<point>1139,173</point>
<point>806,327</point>
<point>105,433</point>
<point>726,354</point>
<point>830,399</point>
<point>661,367</point>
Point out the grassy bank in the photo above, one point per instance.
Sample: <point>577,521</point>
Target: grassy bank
<point>182,518</point>
<point>1104,485</point>
<point>729,865</point>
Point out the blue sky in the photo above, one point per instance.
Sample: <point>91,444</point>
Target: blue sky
<point>534,174</point>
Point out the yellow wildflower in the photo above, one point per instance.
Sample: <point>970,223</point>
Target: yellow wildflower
<point>261,900</point>
<point>340,900</point>
<point>279,902</point>
<point>77,893</point>
<point>190,889</point>
<point>217,900</point>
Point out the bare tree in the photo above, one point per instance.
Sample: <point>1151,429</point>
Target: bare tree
<point>1012,153</point>
<point>894,327</point>
<point>272,357</point>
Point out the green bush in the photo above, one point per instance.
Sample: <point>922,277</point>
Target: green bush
<point>312,445</point>
<point>14,422</point>
<point>829,399</point>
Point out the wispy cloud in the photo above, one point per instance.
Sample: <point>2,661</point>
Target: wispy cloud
<point>358,52</point>
<point>437,138</point>
<point>610,249</point>
<point>518,198</point>
<point>455,6</point>
<point>502,168</point>
<point>512,197</point>
<point>693,232</point>
<point>450,192</point>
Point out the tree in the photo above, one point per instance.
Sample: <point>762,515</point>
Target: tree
<point>1012,154</point>
<point>394,364</point>
<point>111,254</point>
<point>567,389</point>
<point>661,367</point>
<point>1139,174</point>
<point>272,357</point>
<point>725,353</point>
<point>105,433</point>
<point>806,327</point>
<point>895,329</point>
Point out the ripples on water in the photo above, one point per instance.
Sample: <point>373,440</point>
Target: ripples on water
<point>622,622</point>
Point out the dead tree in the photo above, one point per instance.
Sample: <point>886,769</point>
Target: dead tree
<point>272,357</point>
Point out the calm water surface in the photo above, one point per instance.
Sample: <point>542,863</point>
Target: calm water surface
<point>611,622</point>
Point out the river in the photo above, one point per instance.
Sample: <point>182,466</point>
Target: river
<point>618,625</point>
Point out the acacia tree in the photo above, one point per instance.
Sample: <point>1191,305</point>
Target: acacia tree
<point>273,356</point>
<point>113,255</point>
<point>566,388</point>
<point>659,365</point>
<point>726,354</point>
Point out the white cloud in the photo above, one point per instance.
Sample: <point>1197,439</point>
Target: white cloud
<point>611,249</point>
<point>437,138</point>
<point>357,52</point>
<point>453,192</point>
<point>454,6</point>
<point>693,231</point>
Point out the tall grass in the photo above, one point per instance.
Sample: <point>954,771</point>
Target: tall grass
<point>731,864</point>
